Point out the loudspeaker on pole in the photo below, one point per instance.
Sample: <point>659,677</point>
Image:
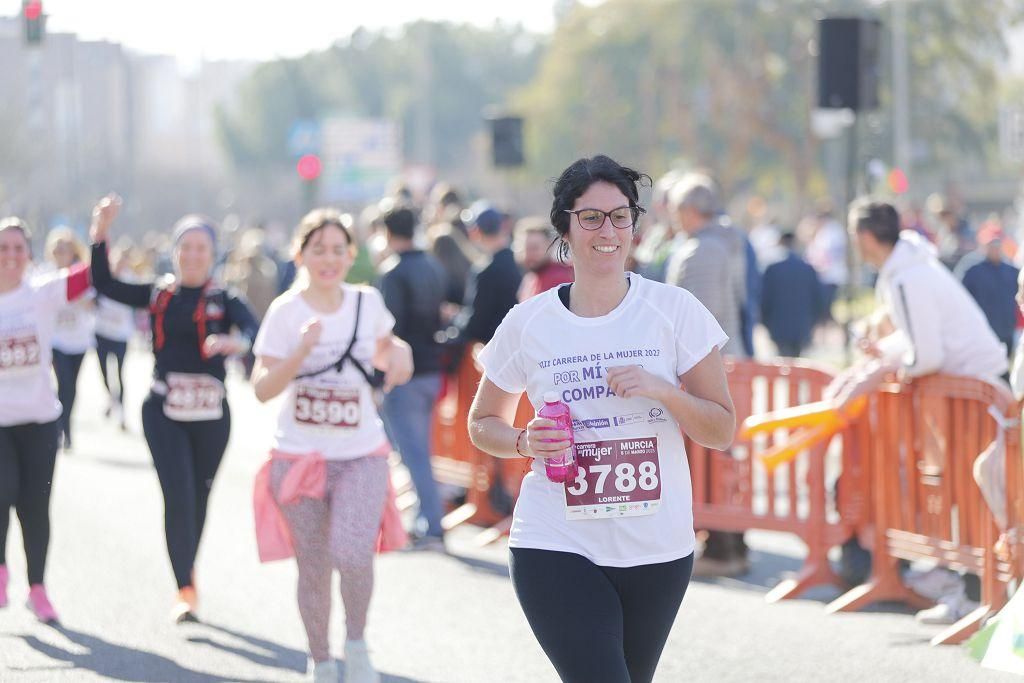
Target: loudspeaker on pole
<point>848,63</point>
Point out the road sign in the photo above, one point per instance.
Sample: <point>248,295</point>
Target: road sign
<point>304,138</point>
<point>360,156</point>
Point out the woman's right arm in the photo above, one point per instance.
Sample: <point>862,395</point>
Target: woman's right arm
<point>137,296</point>
<point>103,216</point>
<point>491,430</point>
<point>271,376</point>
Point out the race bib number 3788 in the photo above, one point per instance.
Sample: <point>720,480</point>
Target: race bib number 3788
<point>616,478</point>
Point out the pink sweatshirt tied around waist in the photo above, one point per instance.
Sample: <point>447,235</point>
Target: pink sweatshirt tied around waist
<point>307,478</point>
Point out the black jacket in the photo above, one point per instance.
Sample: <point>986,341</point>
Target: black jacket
<point>492,293</point>
<point>414,290</point>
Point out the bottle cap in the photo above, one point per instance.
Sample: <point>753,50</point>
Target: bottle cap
<point>551,397</point>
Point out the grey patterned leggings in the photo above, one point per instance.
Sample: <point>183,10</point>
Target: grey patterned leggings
<point>338,532</point>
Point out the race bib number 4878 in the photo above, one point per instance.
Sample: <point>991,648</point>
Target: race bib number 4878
<point>616,478</point>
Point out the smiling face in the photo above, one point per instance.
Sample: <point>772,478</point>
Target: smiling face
<point>603,251</point>
<point>14,257</point>
<point>327,257</point>
<point>193,258</point>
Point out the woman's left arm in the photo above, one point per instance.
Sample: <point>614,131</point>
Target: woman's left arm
<point>241,317</point>
<point>703,408</point>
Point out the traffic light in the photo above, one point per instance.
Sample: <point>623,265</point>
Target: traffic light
<point>32,15</point>
<point>309,167</point>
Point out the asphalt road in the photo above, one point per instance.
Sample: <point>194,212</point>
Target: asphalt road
<point>434,617</point>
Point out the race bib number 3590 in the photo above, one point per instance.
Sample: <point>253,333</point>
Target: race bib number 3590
<point>327,407</point>
<point>616,478</point>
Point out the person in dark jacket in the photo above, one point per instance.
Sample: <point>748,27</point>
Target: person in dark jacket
<point>493,289</point>
<point>792,299</point>
<point>993,284</point>
<point>413,285</point>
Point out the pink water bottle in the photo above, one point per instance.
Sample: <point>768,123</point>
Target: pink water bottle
<point>560,468</point>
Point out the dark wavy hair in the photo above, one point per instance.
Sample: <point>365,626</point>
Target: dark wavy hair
<point>578,177</point>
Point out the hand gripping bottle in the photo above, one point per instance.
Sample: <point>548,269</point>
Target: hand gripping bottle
<point>560,468</point>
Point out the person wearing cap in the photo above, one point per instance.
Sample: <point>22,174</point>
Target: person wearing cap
<point>185,417</point>
<point>993,284</point>
<point>493,289</point>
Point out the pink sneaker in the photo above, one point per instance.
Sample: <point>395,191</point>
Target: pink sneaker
<point>40,604</point>
<point>3,585</point>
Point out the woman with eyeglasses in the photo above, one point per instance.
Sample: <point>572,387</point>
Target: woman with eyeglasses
<point>29,409</point>
<point>600,563</point>
<point>185,417</point>
<point>328,474</point>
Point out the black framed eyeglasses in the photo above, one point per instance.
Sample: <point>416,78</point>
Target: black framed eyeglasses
<point>622,217</point>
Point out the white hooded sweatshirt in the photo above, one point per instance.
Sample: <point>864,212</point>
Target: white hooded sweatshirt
<point>939,327</point>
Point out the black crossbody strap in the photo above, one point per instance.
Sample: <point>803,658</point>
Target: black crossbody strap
<point>339,364</point>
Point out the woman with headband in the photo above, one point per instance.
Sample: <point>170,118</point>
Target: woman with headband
<point>185,417</point>
<point>29,409</point>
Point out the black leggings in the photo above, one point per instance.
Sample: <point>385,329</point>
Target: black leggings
<point>104,349</point>
<point>599,624</point>
<point>186,456</point>
<point>66,366</point>
<point>28,453</point>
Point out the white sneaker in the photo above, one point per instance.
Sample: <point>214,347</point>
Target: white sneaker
<point>951,609</point>
<point>325,672</point>
<point>358,667</point>
<point>934,583</point>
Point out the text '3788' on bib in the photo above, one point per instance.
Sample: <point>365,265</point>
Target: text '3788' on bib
<point>616,478</point>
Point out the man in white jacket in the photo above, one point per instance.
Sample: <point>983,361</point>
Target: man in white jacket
<point>933,323</point>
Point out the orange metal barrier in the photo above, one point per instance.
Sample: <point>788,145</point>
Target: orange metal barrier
<point>735,492</point>
<point>492,484</point>
<point>925,438</point>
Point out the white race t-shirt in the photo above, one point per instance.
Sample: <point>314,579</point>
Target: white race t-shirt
<point>542,346</point>
<point>114,321</point>
<point>27,320</point>
<point>332,413</point>
<point>75,328</point>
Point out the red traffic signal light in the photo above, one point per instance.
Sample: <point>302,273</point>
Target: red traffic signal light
<point>33,9</point>
<point>32,14</point>
<point>309,167</point>
<point>898,182</point>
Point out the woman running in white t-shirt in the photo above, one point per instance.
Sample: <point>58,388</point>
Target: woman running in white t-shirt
<point>318,345</point>
<point>600,564</point>
<point>73,335</point>
<point>29,409</point>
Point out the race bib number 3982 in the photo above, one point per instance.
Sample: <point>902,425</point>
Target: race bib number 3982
<point>19,354</point>
<point>616,478</point>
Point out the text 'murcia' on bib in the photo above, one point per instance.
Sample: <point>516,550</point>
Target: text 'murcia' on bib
<point>326,408</point>
<point>19,355</point>
<point>617,478</point>
<point>193,397</point>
